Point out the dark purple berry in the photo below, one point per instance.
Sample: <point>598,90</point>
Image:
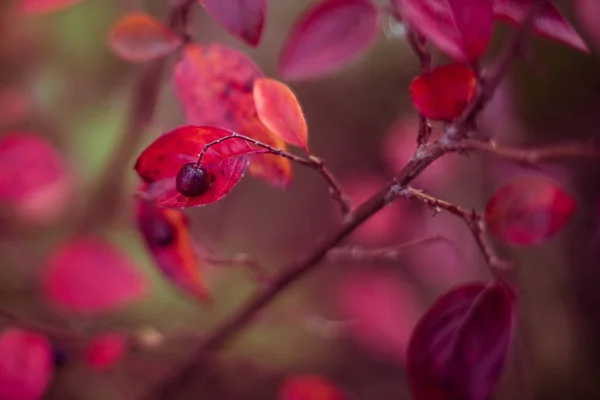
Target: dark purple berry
<point>192,180</point>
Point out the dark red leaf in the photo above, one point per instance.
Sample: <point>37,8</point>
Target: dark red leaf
<point>226,164</point>
<point>328,36</point>
<point>444,92</point>
<point>214,85</point>
<point>528,210</point>
<point>89,275</point>
<point>44,6</point>
<point>105,350</point>
<point>550,23</point>
<point>137,37</point>
<point>309,387</point>
<point>33,177</point>
<point>242,18</point>
<point>167,237</point>
<point>26,365</point>
<point>458,348</point>
<point>460,28</point>
<point>279,109</point>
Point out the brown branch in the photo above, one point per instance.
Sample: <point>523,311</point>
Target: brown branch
<point>309,261</point>
<point>531,156</point>
<point>107,195</point>
<point>473,220</point>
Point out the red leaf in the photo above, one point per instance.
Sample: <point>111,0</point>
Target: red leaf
<point>550,23</point>
<point>444,92</point>
<point>167,237</point>
<point>458,348</point>
<point>137,37</point>
<point>279,109</point>
<point>226,164</point>
<point>242,18</point>
<point>214,86</point>
<point>105,350</point>
<point>33,177</point>
<point>328,36</point>
<point>26,364</point>
<point>460,28</point>
<point>90,275</point>
<point>528,210</point>
<point>309,387</point>
<point>44,6</point>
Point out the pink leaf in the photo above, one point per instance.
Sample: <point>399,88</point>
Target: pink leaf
<point>242,18</point>
<point>214,86</point>
<point>550,23</point>
<point>460,28</point>
<point>529,210</point>
<point>44,6</point>
<point>33,177</point>
<point>225,163</point>
<point>105,350</point>
<point>328,36</point>
<point>137,37</point>
<point>89,275</point>
<point>458,348</point>
<point>588,14</point>
<point>26,365</point>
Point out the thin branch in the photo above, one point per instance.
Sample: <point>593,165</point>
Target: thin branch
<point>473,220</point>
<point>419,48</point>
<point>243,260</point>
<point>531,156</point>
<point>311,162</point>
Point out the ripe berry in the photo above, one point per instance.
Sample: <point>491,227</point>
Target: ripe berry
<point>192,180</point>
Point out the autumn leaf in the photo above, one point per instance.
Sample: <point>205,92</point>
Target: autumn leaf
<point>445,92</point>
<point>459,347</point>
<point>549,23</point>
<point>137,37</point>
<point>167,237</point>
<point>329,35</point>
<point>279,109</point>
<point>528,210</point>
<point>214,85</point>
<point>460,28</point>
<point>244,19</point>
<point>89,275</point>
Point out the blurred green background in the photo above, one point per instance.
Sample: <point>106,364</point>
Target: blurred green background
<point>65,84</point>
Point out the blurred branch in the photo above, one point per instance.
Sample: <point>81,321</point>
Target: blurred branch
<point>106,197</point>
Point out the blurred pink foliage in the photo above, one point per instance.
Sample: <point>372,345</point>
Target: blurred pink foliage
<point>105,350</point>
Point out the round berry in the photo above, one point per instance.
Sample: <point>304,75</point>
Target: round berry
<point>192,180</point>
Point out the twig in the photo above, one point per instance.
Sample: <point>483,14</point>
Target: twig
<point>419,48</point>
<point>311,162</point>
<point>473,220</point>
<point>243,260</point>
<point>105,198</point>
<point>531,156</point>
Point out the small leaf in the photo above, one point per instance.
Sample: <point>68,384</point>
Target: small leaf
<point>309,387</point>
<point>33,177</point>
<point>458,348</point>
<point>279,109</point>
<point>244,19</point>
<point>445,92</point>
<point>137,37</point>
<point>214,86</point>
<point>167,237</point>
<point>328,36</point>
<point>550,23</point>
<point>36,7</point>
<point>226,164</point>
<point>528,210</point>
<point>26,365</point>
<point>460,28</point>
<point>105,350</point>
<point>89,275</point>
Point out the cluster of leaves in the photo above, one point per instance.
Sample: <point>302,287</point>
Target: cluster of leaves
<point>238,120</point>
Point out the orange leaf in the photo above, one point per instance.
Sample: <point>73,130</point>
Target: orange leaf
<point>279,109</point>
<point>137,37</point>
<point>445,92</point>
<point>214,86</point>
